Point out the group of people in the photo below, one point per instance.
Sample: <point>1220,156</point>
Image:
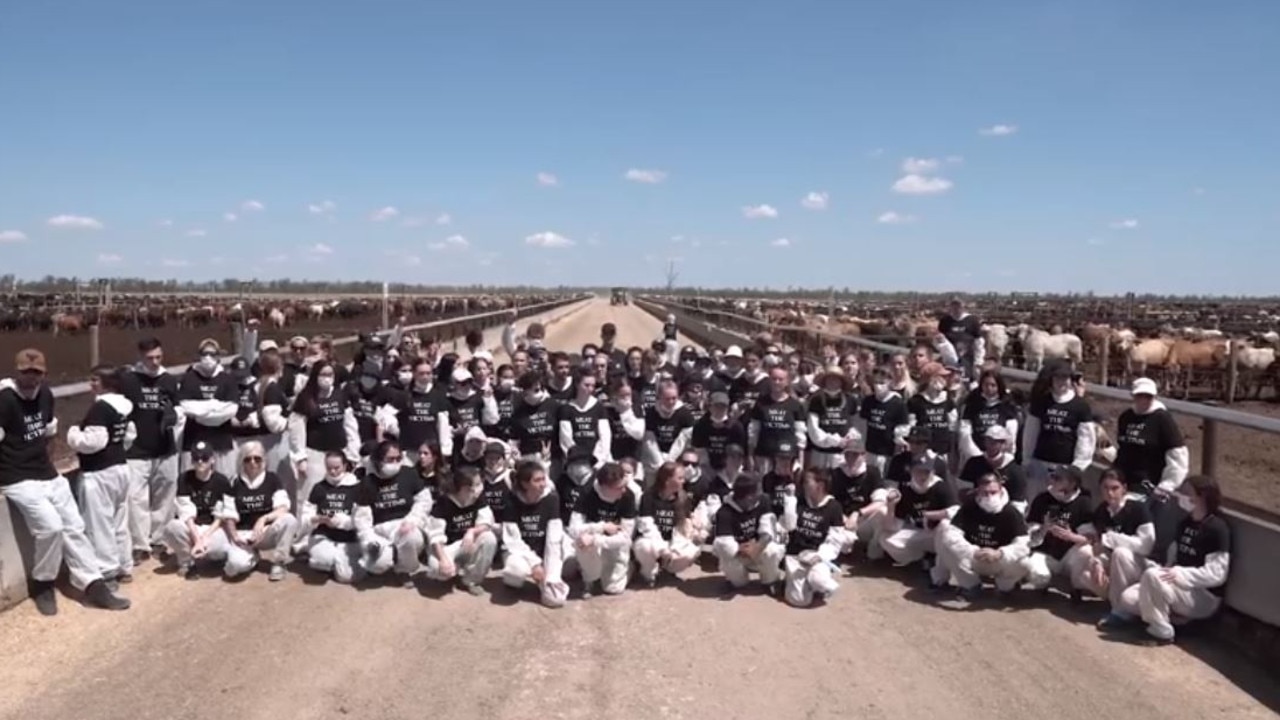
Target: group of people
<point>612,465</point>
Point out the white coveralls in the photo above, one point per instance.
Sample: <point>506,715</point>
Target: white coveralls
<point>650,545</point>
<point>401,549</point>
<point>956,559</point>
<point>519,560</point>
<point>908,542</point>
<point>812,571</point>
<point>104,494</point>
<point>1038,470</point>
<point>608,557</point>
<point>340,559</point>
<point>153,487</point>
<point>1125,561</point>
<point>767,564</point>
<point>209,413</point>
<point>472,566</point>
<point>276,537</point>
<point>179,539</point>
<point>298,452</point>
<point>1188,596</point>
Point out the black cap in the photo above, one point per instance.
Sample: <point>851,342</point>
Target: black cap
<point>201,451</point>
<point>786,448</point>
<point>919,433</point>
<point>922,462</point>
<point>495,447</point>
<point>579,454</point>
<point>746,482</point>
<point>370,369</point>
<point>1067,471</point>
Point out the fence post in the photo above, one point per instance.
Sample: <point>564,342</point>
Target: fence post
<point>237,338</point>
<point>386,311</point>
<point>95,354</point>
<point>1106,362</point>
<point>1233,372</point>
<point>1209,448</point>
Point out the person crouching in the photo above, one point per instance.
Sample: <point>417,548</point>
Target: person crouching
<point>460,533</point>
<point>533,535</point>
<point>914,511</point>
<point>815,537</point>
<point>1057,520</point>
<point>196,535</point>
<point>393,512</point>
<point>746,537</point>
<point>667,536</point>
<point>255,515</point>
<point>329,514</point>
<point>601,525</point>
<point>987,538</point>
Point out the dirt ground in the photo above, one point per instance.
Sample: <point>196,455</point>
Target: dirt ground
<point>881,648</point>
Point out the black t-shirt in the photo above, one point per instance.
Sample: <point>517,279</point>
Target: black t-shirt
<point>532,519</point>
<point>1046,510</point>
<point>496,489</point>
<point>222,386</point>
<point>331,500</point>
<point>392,498</point>
<point>741,525</point>
<point>644,393</point>
<point>990,530</point>
<point>666,429</point>
<point>853,492</point>
<point>585,424</point>
<point>774,487</point>
<point>418,415</point>
<point>1059,425</point>
<point>983,416</point>
<point>365,407</point>
<point>910,509</point>
<point>532,426</point>
<point>936,417</point>
<point>622,445</point>
<point>103,414</point>
<point>1012,475</point>
<point>662,510</point>
<point>1141,444</point>
<point>1133,514</point>
<point>835,415</point>
<point>898,469</point>
<point>594,509</point>
<point>777,420</point>
<point>569,492</point>
<point>744,391</point>
<point>962,333</point>
<point>253,503</point>
<point>713,438</point>
<point>813,525</point>
<point>1196,541</point>
<point>560,395</point>
<point>882,418</point>
<point>24,451</point>
<point>457,520</point>
<point>204,494</point>
<point>154,398</point>
<point>506,406</point>
<point>465,413</point>
<point>326,431</point>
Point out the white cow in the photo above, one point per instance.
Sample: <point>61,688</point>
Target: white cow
<point>276,317</point>
<point>1037,345</point>
<point>1253,364</point>
<point>996,340</point>
<point>316,311</point>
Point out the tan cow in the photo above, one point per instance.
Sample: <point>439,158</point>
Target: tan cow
<point>1189,358</point>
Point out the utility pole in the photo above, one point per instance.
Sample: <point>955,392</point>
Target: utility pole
<point>831,303</point>
<point>672,275</point>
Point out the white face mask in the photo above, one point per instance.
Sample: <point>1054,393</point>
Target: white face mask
<point>1186,503</point>
<point>324,383</point>
<point>992,503</point>
<point>208,364</point>
<point>691,474</point>
<point>881,389</point>
<point>405,377</point>
<point>332,478</point>
<point>422,384</point>
<point>771,359</point>
<point>389,469</point>
<point>533,398</point>
<point>506,383</point>
<point>686,364</point>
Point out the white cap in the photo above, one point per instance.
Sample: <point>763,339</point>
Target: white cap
<point>733,351</point>
<point>484,355</point>
<point>475,433</point>
<point>997,432</point>
<point>268,344</point>
<point>461,375</point>
<point>1144,386</point>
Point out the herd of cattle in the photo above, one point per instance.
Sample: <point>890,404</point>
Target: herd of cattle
<point>1186,345</point>
<point>60,314</point>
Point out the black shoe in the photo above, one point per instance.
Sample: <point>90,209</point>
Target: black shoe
<point>99,595</point>
<point>45,597</point>
<point>189,572</point>
<point>1077,597</point>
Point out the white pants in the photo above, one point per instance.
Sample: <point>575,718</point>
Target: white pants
<point>341,560</point>
<point>610,565</point>
<point>104,504</point>
<point>825,460</point>
<point>471,567</point>
<point>179,540</point>
<point>224,461</point>
<point>275,540</point>
<point>1156,599</point>
<point>905,545</point>
<point>153,490</point>
<point>56,528</point>
<point>736,569</point>
<point>1125,568</point>
<point>865,530</point>
<point>315,473</point>
<point>1042,568</point>
<point>517,570</point>
<point>803,581</point>
<point>956,559</point>
<point>403,551</point>
<point>684,553</point>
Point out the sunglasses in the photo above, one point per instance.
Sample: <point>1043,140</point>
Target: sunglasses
<point>202,459</point>
<point>252,459</point>
<point>208,353</point>
<point>689,463</point>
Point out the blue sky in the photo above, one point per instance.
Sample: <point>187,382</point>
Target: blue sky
<point>1004,145</point>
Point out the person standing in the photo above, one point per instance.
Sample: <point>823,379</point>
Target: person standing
<point>777,419</point>
<point>832,411</point>
<point>1059,431</point>
<point>208,398</point>
<point>1150,453</point>
<point>42,496</point>
<point>964,332</point>
<point>153,456</point>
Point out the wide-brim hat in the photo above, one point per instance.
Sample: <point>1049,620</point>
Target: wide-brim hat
<point>833,371</point>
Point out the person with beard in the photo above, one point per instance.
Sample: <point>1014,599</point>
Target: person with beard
<point>616,355</point>
<point>153,456</point>
<point>469,408</point>
<point>583,422</point>
<point>533,535</point>
<point>560,384</point>
<point>918,439</point>
<point>255,516</point>
<point>749,385</point>
<point>391,513</point>
<point>815,538</point>
<point>933,408</point>
<point>322,423</point>
<point>1191,583</point>
<point>996,458</point>
<point>861,490</point>
<point>1059,430</point>
<point>885,417</point>
<point>504,397</point>
<point>913,513</point>
<point>1056,521</point>
<point>460,533</point>
<point>328,520</point>
<point>746,537</point>
<point>533,420</point>
<point>666,539</point>
<point>644,383</point>
<point>261,415</point>
<point>987,538</point>
<point>626,428</point>
<point>1121,538</point>
<point>602,525</point>
<point>988,407</point>
<point>365,394</point>
<point>196,535</point>
<point>419,416</point>
<point>668,427</point>
<point>777,419</point>
<point>207,401</point>
<point>715,431</point>
<point>1150,450</point>
<point>832,411</point>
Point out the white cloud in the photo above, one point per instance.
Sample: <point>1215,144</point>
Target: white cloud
<point>677,238</point>
<point>175,263</point>
<point>453,242</point>
<point>229,217</point>
<point>548,239</point>
<point>815,200</point>
<point>753,212</point>
<point>7,236</point>
<point>781,242</point>
<point>164,223</point>
<point>252,206</point>
<point>109,258</point>
<point>920,166</point>
<point>546,179</point>
<point>487,258</point>
<point>444,219</point>
<point>1126,224</point>
<point>77,222</point>
<point>894,218</point>
<point>320,249</point>
<point>921,185</point>
<point>652,177</point>
<point>325,207</point>
<point>197,233</point>
<point>998,130</point>
<point>385,213</point>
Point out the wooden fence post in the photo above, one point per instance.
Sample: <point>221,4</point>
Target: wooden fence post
<point>237,338</point>
<point>1105,373</point>
<point>1233,372</point>
<point>95,353</point>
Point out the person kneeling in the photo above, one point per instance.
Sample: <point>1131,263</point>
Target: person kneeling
<point>533,535</point>
<point>987,538</point>
<point>196,535</point>
<point>601,526</point>
<point>815,537</point>
<point>747,537</point>
<point>255,515</point>
<point>329,514</point>
<point>667,535</point>
<point>393,513</point>
<point>460,533</point>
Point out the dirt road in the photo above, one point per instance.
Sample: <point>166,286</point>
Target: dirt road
<point>881,648</point>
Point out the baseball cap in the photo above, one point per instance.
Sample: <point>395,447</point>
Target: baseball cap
<point>997,432</point>
<point>267,345</point>
<point>919,433</point>
<point>201,451</point>
<point>1144,386</point>
<point>31,359</point>
<point>1067,471</point>
<point>719,398</point>
<point>733,351</point>
<point>462,375</point>
<point>922,462</point>
<point>475,433</point>
<point>785,448</point>
<point>495,447</point>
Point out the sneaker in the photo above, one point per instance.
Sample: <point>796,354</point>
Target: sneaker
<point>586,590</point>
<point>112,584</point>
<point>189,572</point>
<point>728,590</point>
<point>277,573</point>
<point>124,578</point>
<point>45,597</point>
<point>1114,621</point>
<point>472,588</point>
<point>140,556</point>
<point>101,596</point>
<point>1153,641</point>
<point>407,581</point>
